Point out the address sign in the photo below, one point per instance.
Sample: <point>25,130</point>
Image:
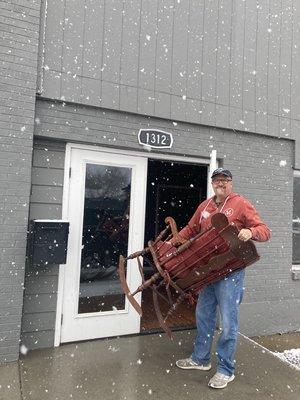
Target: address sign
<point>155,138</point>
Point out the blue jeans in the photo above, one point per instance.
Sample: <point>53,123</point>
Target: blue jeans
<point>227,293</point>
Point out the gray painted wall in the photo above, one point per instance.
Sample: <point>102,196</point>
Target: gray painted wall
<point>40,295</point>
<point>19,30</point>
<point>262,172</point>
<point>227,63</point>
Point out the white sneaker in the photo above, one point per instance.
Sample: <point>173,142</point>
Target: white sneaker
<point>188,363</point>
<point>220,381</point>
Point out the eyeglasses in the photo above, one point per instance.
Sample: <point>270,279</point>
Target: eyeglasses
<point>221,180</point>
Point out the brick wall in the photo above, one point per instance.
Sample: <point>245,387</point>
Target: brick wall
<point>19,31</point>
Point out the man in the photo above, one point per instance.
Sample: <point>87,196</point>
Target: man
<point>227,292</point>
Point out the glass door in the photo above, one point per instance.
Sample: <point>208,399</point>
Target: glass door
<point>106,213</point>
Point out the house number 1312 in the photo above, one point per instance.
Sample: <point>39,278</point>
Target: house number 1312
<point>155,138</point>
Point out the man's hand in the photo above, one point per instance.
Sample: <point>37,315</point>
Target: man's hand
<point>244,235</point>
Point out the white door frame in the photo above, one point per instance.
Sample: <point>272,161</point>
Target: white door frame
<point>212,161</point>
<point>212,166</point>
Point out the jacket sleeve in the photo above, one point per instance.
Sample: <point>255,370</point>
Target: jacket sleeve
<point>252,221</point>
<point>193,227</point>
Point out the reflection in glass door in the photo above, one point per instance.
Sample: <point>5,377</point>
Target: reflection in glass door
<point>104,237</point>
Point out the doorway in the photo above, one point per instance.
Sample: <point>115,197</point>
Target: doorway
<point>105,198</point>
<point>173,189</point>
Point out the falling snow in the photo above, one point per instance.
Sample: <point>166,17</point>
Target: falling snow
<point>113,349</point>
<point>23,349</point>
<point>77,76</point>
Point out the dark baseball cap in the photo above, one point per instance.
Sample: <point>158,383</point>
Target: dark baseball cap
<point>222,171</point>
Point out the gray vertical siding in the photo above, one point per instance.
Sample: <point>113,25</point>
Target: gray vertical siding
<point>294,9</point>
<point>40,294</point>
<point>229,64</point>
<point>19,29</point>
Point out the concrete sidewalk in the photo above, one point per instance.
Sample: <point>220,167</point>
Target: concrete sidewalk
<point>142,367</point>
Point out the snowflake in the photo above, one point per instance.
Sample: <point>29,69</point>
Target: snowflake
<point>23,349</point>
